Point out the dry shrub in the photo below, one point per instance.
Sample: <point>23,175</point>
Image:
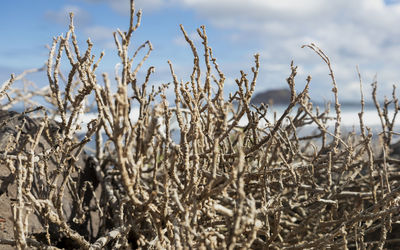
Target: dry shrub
<point>219,185</point>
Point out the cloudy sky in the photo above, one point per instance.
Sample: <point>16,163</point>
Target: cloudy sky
<point>351,33</point>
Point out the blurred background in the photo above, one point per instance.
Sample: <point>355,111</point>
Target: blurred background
<point>351,33</point>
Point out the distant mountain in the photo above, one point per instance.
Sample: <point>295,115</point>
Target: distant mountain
<point>273,96</point>
<point>282,97</point>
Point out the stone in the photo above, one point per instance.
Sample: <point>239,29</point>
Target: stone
<point>10,124</point>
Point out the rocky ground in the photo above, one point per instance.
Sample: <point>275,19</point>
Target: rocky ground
<point>9,124</point>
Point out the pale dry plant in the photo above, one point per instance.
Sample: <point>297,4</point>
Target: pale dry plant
<point>219,185</point>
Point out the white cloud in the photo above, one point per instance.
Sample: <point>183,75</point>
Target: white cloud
<point>99,33</point>
<point>363,32</point>
<point>81,17</point>
<point>101,36</point>
<point>123,6</point>
<point>357,32</point>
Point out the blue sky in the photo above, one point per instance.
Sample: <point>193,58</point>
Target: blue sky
<point>355,32</point>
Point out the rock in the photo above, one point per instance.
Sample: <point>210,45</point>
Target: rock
<point>10,122</point>
<point>394,150</point>
<point>274,96</point>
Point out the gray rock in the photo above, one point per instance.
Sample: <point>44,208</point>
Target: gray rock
<point>10,124</point>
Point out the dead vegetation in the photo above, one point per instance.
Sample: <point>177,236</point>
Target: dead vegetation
<point>219,185</point>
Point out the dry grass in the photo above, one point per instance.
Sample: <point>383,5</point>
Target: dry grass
<point>221,186</point>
